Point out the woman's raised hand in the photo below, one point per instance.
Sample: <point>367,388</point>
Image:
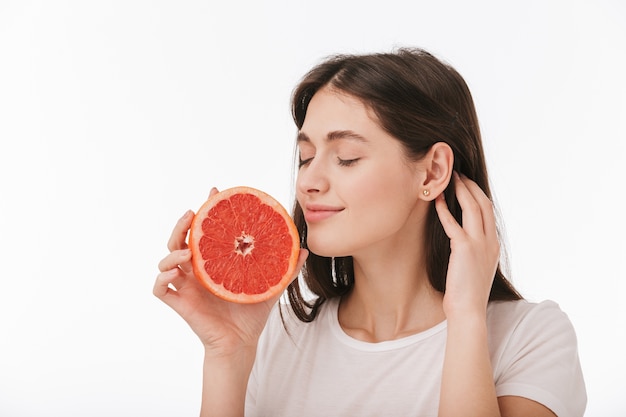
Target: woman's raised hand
<point>222,326</point>
<point>475,250</point>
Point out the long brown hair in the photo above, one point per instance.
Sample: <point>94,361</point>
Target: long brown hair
<point>420,101</point>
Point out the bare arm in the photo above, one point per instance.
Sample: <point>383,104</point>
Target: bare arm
<point>511,406</point>
<point>224,383</point>
<point>228,331</point>
<point>467,387</point>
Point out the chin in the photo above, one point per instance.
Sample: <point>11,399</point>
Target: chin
<point>327,249</point>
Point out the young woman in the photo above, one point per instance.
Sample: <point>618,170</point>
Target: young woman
<point>407,312</point>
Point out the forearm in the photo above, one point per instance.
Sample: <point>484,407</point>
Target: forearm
<point>224,384</point>
<point>467,387</point>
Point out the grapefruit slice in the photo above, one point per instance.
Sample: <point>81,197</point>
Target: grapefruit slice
<point>244,245</point>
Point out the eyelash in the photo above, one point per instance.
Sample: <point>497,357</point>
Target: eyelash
<point>341,162</point>
<point>347,162</point>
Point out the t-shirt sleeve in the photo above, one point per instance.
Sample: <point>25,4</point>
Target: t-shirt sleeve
<point>540,361</point>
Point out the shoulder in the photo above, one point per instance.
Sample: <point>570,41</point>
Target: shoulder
<point>522,329</point>
<point>533,324</point>
<point>534,353</point>
<point>521,308</point>
<point>286,339</point>
<point>505,314</point>
<point>283,323</point>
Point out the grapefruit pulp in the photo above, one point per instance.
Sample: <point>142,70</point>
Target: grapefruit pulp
<point>244,245</point>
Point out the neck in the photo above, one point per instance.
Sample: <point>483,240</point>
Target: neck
<point>390,299</point>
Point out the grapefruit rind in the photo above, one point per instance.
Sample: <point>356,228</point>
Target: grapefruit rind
<point>280,278</point>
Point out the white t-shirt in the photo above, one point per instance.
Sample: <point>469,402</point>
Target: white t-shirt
<point>318,370</point>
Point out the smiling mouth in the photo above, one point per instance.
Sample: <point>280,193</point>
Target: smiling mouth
<point>316,215</point>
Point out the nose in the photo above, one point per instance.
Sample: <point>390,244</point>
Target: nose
<point>312,178</point>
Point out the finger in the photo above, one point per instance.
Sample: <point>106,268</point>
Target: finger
<point>175,259</point>
<point>213,192</point>
<point>471,210</point>
<point>179,234</point>
<point>486,206</point>
<point>166,288</point>
<point>449,223</point>
<point>186,267</point>
<point>162,287</point>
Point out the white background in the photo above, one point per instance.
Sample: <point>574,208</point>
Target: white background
<point>117,116</point>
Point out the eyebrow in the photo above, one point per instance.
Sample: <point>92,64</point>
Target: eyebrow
<point>334,135</point>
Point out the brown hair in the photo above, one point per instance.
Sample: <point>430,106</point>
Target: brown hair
<point>420,101</point>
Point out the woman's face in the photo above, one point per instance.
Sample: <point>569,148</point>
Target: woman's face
<point>359,192</point>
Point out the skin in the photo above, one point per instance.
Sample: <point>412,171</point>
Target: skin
<point>381,188</point>
<point>229,332</point>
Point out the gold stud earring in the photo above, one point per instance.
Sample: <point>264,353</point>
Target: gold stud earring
<point>426,193</point>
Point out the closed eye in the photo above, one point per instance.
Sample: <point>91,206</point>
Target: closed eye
<point>303,162</point>
<point>347,162</point>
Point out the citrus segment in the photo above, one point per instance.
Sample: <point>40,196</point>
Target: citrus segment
<point>244,245</point>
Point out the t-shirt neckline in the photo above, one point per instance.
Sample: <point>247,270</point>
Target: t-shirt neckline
<point>331,313</point>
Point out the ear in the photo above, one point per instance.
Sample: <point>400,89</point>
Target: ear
<point>438,165</point>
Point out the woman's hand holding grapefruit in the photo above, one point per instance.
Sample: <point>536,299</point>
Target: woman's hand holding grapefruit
<point>222,326</point>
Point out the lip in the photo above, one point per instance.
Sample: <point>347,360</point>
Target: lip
<point>318,212</point>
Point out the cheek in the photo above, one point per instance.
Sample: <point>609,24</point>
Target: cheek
<point>376,211</point>
<point>387,186</point>
<point>386,201</point>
